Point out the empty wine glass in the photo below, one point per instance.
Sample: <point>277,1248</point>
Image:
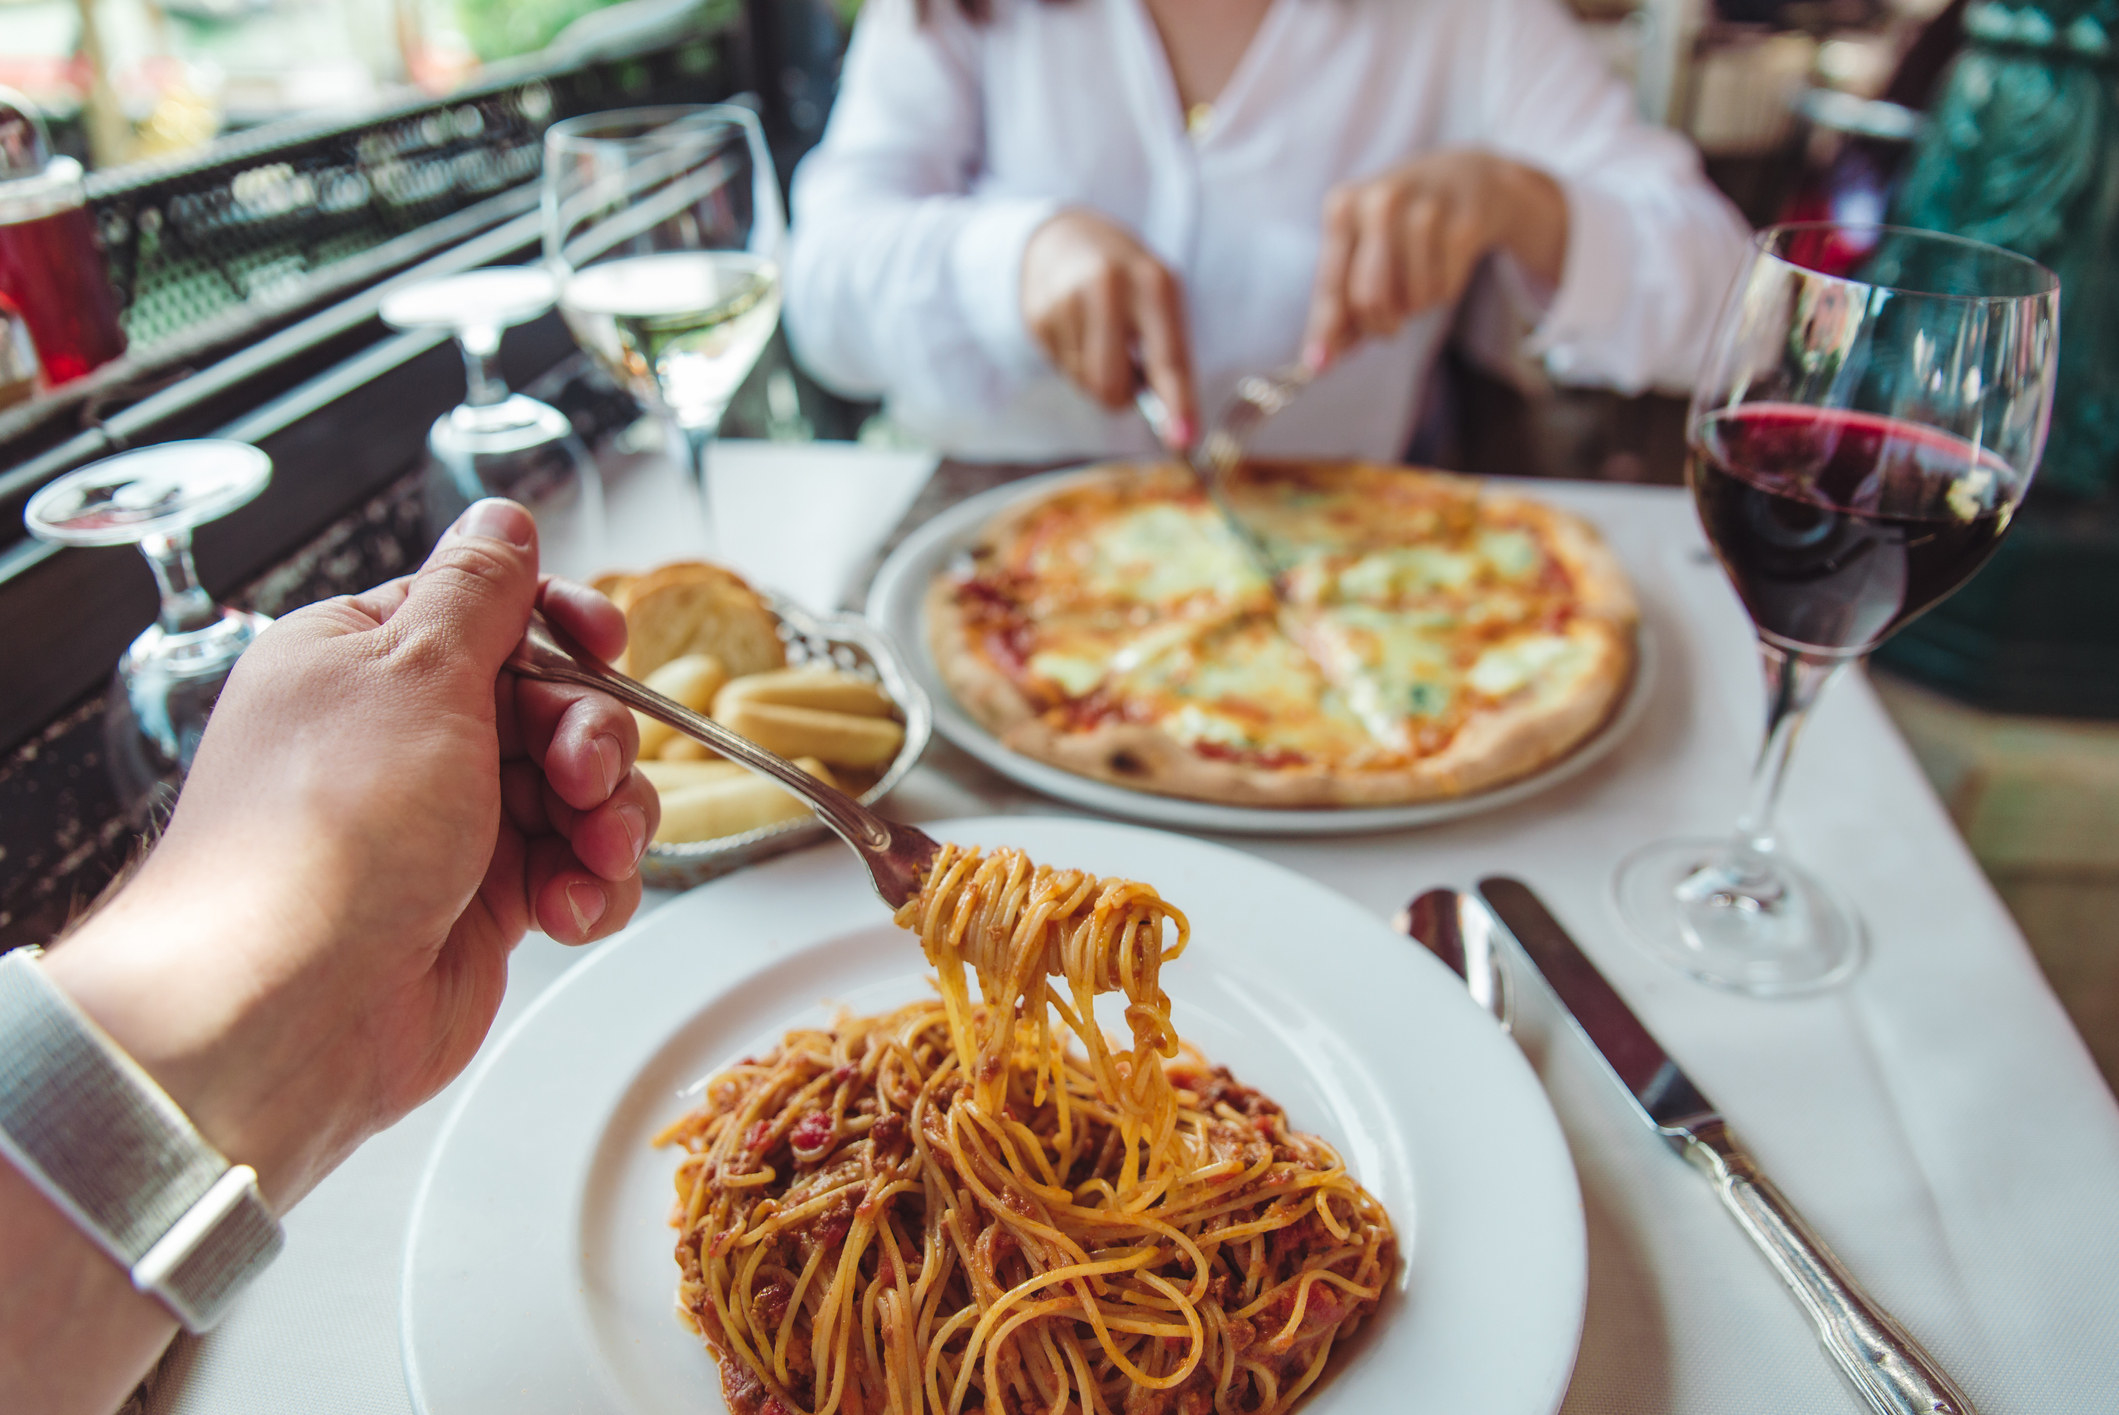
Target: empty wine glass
<point>665,229</point>
<point>168,680</point>
<point>494,443</point>
<point>1859,441</point>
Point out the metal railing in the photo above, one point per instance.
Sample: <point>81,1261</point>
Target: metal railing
<point>212,251</point>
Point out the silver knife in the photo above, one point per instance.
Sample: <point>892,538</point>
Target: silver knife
<point>1884,1364</point>
<point>1213,456</point>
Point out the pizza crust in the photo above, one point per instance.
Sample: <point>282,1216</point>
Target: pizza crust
<point>985,692</point>
<point>1602,589</point>
<point>1492,748</point>
<point>1519,740</point>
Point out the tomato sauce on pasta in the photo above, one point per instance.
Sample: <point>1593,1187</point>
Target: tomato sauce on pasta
<point>986,1205</point>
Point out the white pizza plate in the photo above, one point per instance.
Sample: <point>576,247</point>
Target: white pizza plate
<point>540,1274</point>
<point>896,606</point>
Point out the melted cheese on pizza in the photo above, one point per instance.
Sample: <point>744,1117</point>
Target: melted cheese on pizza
<point>1410,609</point>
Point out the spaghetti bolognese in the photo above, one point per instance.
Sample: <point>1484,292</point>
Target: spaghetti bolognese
<point>985,1206</point>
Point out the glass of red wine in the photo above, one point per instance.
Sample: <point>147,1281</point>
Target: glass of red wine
<point>1860,437</point>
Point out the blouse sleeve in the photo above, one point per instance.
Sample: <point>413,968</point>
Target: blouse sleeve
<point>900,276</point>
<point>1652,247</point>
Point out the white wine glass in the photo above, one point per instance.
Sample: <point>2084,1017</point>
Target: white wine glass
<point>665,231</point>
<point>172,674</point>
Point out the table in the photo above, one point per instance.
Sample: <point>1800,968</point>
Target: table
<point>1938,1120</point>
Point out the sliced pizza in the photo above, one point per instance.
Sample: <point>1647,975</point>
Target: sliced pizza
<point>1433,637</point>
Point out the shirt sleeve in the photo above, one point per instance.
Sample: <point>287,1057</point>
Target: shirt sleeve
<point>900,276</point>
<point>1652,247</point>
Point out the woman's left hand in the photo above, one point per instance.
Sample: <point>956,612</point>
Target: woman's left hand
<point>1408,241</point>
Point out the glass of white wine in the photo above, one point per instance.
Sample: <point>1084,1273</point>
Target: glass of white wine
<point>665,231</point>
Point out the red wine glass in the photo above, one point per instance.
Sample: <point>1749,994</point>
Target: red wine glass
<point>1859,440</point>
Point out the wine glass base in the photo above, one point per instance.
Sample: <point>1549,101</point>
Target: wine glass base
<point>518,448</point>
<point>1778,931</point>
<point>162,490</point>
<point>208,651</point>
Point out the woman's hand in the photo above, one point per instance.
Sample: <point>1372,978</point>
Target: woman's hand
<point>1108,314</point>
<point>376,815</point>
<point>1409,240</point>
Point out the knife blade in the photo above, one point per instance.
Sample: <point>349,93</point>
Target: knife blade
<point>1207,472</point>
<point>1883,1363</point>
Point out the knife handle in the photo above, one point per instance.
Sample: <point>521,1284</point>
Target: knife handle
<point>1886,1365</point>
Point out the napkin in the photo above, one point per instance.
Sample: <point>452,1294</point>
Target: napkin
<point>801,518</point>
<point>804,518</point>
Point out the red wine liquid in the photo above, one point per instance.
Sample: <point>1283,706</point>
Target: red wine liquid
<point>51,271</point>
<point>1838,527</point>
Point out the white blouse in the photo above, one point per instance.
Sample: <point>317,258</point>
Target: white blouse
<point>951,142</point>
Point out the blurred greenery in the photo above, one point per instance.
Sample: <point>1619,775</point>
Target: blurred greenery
<point>502,29</point>
<point>2021,149</point>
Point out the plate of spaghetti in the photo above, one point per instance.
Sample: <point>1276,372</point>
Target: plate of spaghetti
<point>1105,1121</point>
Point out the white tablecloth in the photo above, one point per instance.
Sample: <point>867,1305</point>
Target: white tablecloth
<point>1938,1120</point>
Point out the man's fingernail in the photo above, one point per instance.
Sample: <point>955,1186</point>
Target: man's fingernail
<point>635,822</point>
<point>1181,432</point>
<point>610,760</point>
<point>588,903</point>
<point>497,519</point>
<point>1315,356</point>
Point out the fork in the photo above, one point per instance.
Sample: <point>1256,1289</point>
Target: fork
<point>898,857</point>
<point>1258,396</point>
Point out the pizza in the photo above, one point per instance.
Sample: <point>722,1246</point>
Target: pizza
<point>1433,636</point>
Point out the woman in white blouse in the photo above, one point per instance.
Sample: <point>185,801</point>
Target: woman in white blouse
<point>1022,208</point>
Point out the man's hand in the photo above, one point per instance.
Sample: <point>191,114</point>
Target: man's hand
<point>1409,240</point>
<point>1108,313</point>
<point>376,815</point>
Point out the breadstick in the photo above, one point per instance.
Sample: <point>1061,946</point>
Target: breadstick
<point>692,680</point>
<point>827,689</point>
<point>730,805</point>
<point>838,737</point>
<point>667,776</point>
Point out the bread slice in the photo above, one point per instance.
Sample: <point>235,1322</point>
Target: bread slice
<point>693,607</point>
<point>611,583</point>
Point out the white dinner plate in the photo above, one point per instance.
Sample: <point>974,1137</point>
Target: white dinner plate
<point>540,1274</point>
<point>896,604</point>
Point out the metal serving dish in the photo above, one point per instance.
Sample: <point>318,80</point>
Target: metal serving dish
<point>843,641</point>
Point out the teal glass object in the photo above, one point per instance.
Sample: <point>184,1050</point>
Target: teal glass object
<point>2021,150</point>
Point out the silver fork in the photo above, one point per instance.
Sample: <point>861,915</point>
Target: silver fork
<point>1258,396</point>
<point>898,857</point>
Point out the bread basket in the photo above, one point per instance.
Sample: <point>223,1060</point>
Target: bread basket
<point>843,641</point>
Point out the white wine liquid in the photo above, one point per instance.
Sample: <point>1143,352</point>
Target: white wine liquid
<point>679,328</point>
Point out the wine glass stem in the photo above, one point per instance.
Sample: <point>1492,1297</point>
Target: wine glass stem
<point>698,437</point>
<point>1793,682</point>
<point>483,384</point>
<point>186,607</point>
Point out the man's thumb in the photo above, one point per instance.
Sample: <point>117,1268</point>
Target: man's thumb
<point>475,592</point>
